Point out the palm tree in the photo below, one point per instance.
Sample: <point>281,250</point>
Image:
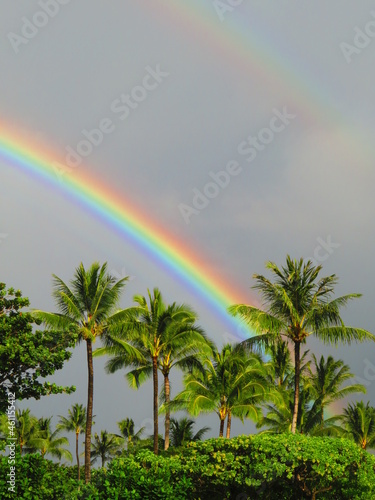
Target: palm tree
<point>75,422</point>
<point>164,336</point>
<point>359,421</point>
<point>50,442</point>
<point>27,431</point>
<point>326,381</point>
<point>280,365</point>
<point>280,373</point>
<point>298,304</point>
<point>89,308</point>
<point>105,446</point>
<point>233,383</point>
<point>126,427</point>
<point>182,431</point>
<point>181,346</point>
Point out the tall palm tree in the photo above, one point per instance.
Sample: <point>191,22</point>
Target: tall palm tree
<point>126,427</point>
<point>105,446</point>
<point>298,304</point>
<point>182,431</point>
<point>182,344</point>
<point>326,380</point>
<point>359,421</point>
<point>75,422</point>
<point>233,383</point>
<point>164,336</point>
<point>89,308</point>
<point>50,443</point>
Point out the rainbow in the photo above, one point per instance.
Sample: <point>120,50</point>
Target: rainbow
<point>128,220</point>
<point>240,43</point>
<point>249,52</point>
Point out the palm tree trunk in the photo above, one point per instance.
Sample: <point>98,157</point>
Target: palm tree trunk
<point>222,421</point>
<point>167,389</point>
<point>77,456</point>
<point>297,367</point>
<point>90,402</point>
<point>229,422</point>
<point>156,390</point>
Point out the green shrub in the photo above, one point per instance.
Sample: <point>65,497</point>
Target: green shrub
<point>280,466</point>
<point>145,476</point>
<point>37,478</point>
<point>262,466</point>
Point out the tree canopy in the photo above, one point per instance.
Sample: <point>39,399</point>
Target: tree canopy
<point>27,355</point>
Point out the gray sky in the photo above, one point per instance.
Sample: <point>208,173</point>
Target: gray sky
<point>279,95</point>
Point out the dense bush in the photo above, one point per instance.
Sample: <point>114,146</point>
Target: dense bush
<point>36,477</point>
<point>280,466</point>
<point>261,466</point>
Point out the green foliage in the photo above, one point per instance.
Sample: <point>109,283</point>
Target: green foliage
<point>320,386</point>
<point>282,466</point>
<point>182,431</point>
<point>233,382</point>
<point>50,442</point>
<point>298,304</point>
<point>163,336</point>
<point>126,427</point>
<point>27,431</point>
<point>88,307</point>
<point>25,356</point>
<point>359,422</point>
<point>76,420</point>
<point>105,446</point>
<point>146,477</point>
<point>37,478</point>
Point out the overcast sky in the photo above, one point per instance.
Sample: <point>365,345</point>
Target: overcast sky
<point>277,95</point>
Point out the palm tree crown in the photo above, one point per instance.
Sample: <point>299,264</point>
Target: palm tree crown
<point>298,304</point>
<point>326,382</point>
<point>27,431</point>
<point>105,446</point>
<point>359,421</point>
<point>233,382</point>
<point>50,443</point>
<point>182,431</point>
<point>126,427</point>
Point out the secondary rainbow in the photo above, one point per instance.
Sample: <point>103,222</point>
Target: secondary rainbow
<point>242,45</point>
<point>173,255</point>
